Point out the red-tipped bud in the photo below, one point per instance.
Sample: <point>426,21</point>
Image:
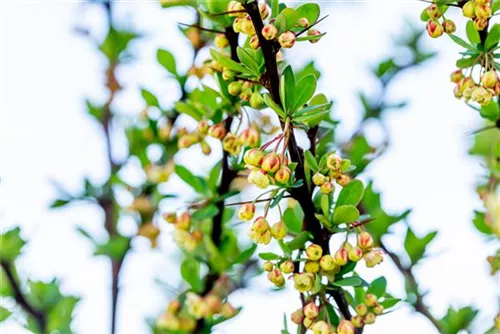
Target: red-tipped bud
<point>249,137</point>
<point>326,188</point>
<point>213,303</point>
<point>482,11</point>
<point>434,28</point>
<point>260,225</point>
<point>287,39</point>
<point>449,26</point>
<point>246,95</point>
<point>264,10</point>
<point>254,157</point>
<point>378,309</point>
<point>287,267</point>
<point>365,241</point>
<point>466,83</point>
<point>303,22</point>
<point>221,41</point>
<point>228,74</point>
<point>269,32</point>
<point>433,11</point>
<point>268,266</point>
<point>314,32</point>
<point>217,131</point>
<point>279,230</point>
<point>271,162</point>
<point>254,42</point>
<point>373,258</point>
<point>297,317</point>
<point>361,310</point>
<point>456,76</point>
<point>184,221</point>
<point>326,263</point>
<point>341,257</point>
<point>355,254</point>
<point>234,88</point>
<point>170,217</point>
<point>259,179</point>
<point>358,321</point>
<point>321,327</point>
<point>314,252</point>
<point>489,79</point>
<point>371,300</point>
<point>246,212</point>
<point>480,24</point>
<point>469,9</point>
<point>203,127</point>
<point>319,179</point>
<point>370,318</point>
<point>283,175</point>
<point>311,311</point>
<point>345,327</point>
<point>334,162</point>
<point>343,180</point>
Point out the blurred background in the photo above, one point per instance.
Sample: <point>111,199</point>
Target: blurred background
<point>46,136</point>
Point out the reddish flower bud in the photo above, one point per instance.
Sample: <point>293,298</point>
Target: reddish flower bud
<point>298,317</point>
<point>234,88</point>
<point>213,302</point>
<point>319,179</point>
<point>314,252</point>
<point>365,241</point>
<point>465,83</point>
<point>480,24</point>
<point>217,131</point>
<point>434,28</point>
<point>334,162</point>
<point>321,327</point>
<point>371,300</point>
<point>245,95</point>
<point>170,217</point>
<point>259,179</point>
<point>279,230</point>
<point>287,267</point>
<point>345,327</point>
<point>264,10</point>
<point>311,310</point>
<point>254,42</point>
<point>246,211</point>
<point>283,175</point>
<point>482,11</point>
<point>184,221</point>
<point>341,257</point>
<point>361,310</point>
<point>254,157</point>
<point>355,254</point>
<point>271,162</point>
<point>370,318</point>
<point>303,22</point>
<point>449,26</point>
<point>456,76</point>
<point>287,39</point>
<point>221,41</point>
<point>469,9</point>
<point>269,32</point>
<point>378,309</point>
<point>357,321</point>
<point>433,11</point>
<point>260,225</point>
<point>326,188</point>
<point>314,32</point>
<point>174,306</point>
<point>268,266</point>
<point>249,137</point>
<point>373,258</point>
<point>343,180</point>
<point>489,79</point>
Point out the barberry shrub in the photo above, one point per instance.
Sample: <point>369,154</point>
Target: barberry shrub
<point>477,84</point>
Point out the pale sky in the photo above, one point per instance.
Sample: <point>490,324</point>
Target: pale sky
<point>45,135</point>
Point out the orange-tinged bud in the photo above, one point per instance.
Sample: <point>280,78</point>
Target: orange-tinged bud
<point>256,101</point>
<point>234,88</point>
<point>434,28</point>
<point>287,39</point>
<point>228,74</point>
<point>326,188</point>
<point>221,41</point>
<point>260,225</point>
<point>334,162</point>
<point>259,179</point>
<point>247,26</point>
<point>246,211</point>
<point>361,310</point>
<point>283,175</point>
<point>184,221</point>
<point>238,24</point>
<point>373,258</point>
<point>489,79</point>
<point>326,263</point>
<point>303,282</point>
<point>217,131</point>
<point>287,267</point>
<point>480,24</point>
<point>365,241</point>
<point>433,11</point>
<point>271,162</point>
<point>227,310</point>
<point>311,267</point>
<point>203,127</point>
<point>297,317</point>
<point>279,56</point>
<point>481,95</point>
<point>378,309</point>
<point>449,26</point>
<point>311,310</point>
<point>254,157</point>
<point>279,230</point>
<point>497,89</point>
<point>321,327</point>
<point>370,318</point>
<point>482,11</point>
<point>205,148</point>
<point>254,42</point>
<point>269,32</point>
<point>314,32</point>
<point>358,321</point>
<point>303,22</point>
<point>168,321</point>
<point>235,6</point>
<point>465,83</point>
<point>274,275</point>
<point>314,252</point>
<point>456,76</point>
<point>268,266</point>
<point>174,306</point>
<point>246,95</point>
<point>371,300</point>
<point>469,9</point>
<point>307,322</point>
<point>264,10</point>
<point>188,140</point>
<point>249,137</point>
<point>355,254</point>
<point>170,217</point>
<point>213,302</point>
<point>341,257</point>
<point>343,180</point>
<point>345,327</point>
<point>319,179</point>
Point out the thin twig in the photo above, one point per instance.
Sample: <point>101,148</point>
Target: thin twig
<point>312,25</point>
<point>257,201</point>
<point>200,28</point>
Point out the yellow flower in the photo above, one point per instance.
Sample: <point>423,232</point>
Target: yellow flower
<point>258,178</point>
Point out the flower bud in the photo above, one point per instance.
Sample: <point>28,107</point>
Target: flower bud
<point>168,321</point>
<point>283,175</point>
<point>321,327</point>
<point>496,89</point>
<point>271,162</point>
<point>456,76</point>
<point>184,221</point>
<point>371,300</point>
<point>279,230</point>
<point>259,179</point>
<point>373,258</point>
<point>287,39</point>
<point>303,22</point>
<point>246,212</point>
<point>238,24</point>
<point>217,131</point>
<point>303,282</point>
<point>311,310</point>
<point>245,95</point>
<point>205,148</point>
<point>279,281</point>
<point>341,257</point>
<point>355,254</point>
<point>313,32</point>
<point>457,93</point>
<point>469,10</point>
<point>378,309</point>
<point>482,11</point>
<point>268,266</point>
<point>221,41</point>
<point>170,217</point>
<point>273,275</point>
<point>234,88</point>
<point>319,179</point>
<point>365,241</point>
<point>465,83</point>
<point>256,101</point>
<point>174,306</point>
<point>345,327</point>
<point>213,302</point>
<point>188,140</point>
<point>254,42</point>
<point>203,127</point>
<point>311,267</point>
<point>264,10</point>
<point>489,79</point>
<point>434,28</point>
<point>297,317</point>
<point>433,11</point>
<point>254,157</point>
<point>314,252</point>
<point>334,162</point>
<point>361,310</point>
<point>227,310</point>
<point>234,6</point>
<point>279,56</point>
<point>343,180</point>
<point>260,225</point>
<point>358,321</point>
<point>230,144</point>
<point>228,74</point>
<point>196,307</point>
<point>249,137</point>
<point>247,26</point>
<point>370,318</point>
<point>269,32</point>
<point>326,263</point>
<point>287,267</point>
<point>308,322</point>
<point>326,188</point>
<point>480,24</point>
<point>481,95</point>
<point>449,26</point>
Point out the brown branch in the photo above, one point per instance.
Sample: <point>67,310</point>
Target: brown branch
<point>38,315</point>
<point>201,28</point>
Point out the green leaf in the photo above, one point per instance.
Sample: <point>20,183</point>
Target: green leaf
<point>462,43</point>
<point>61,315</point>
<point>378,287</point>
<point>287,89</point>
<point>332,315</point>
<point>190,272</point>
<point>194,181</point>
<point>325,204</point>
<point>311,161</point>
<point>184,108</point>
<point>349,281</point>
<point>5,288</point>
<point>11,244</point>
<point>472,33</point>
<point>299,241</point>
<point>454,321</point>
<point>214,176</point>
<point>167,60</point>
<point>493,37</point>
<point>44,295</point>
<point>491,111</point>
<point>268,100</point>
<point>345,214</point>
<point>207,212</point>
<point>286,20</point>
<point>248,60</point>
<point>389,302</point>
<point>150,99</point>
<point>310,37</point>
<point>269,256</point>
<point>228,62</point>
<point>415,247</point>
<point>308,10</point>
<point>495,6</point>
<point>480,223</point>
<point>292,220</point>
<point>94,110</point>
<point>4,313</point>
<point>115,248</point>
<point>304,92</point>
<point>351,194</point>
<point>116,42</point>
<point>59,203</point>
<point>424,16</point>
<point>466,62</point>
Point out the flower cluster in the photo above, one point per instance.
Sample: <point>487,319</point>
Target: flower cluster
<point>482,92</point>
<point>267,168</point>
<point>336,167</point>
<point>435,28</point>
<point>367,312</point>
<point>186,235</point>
